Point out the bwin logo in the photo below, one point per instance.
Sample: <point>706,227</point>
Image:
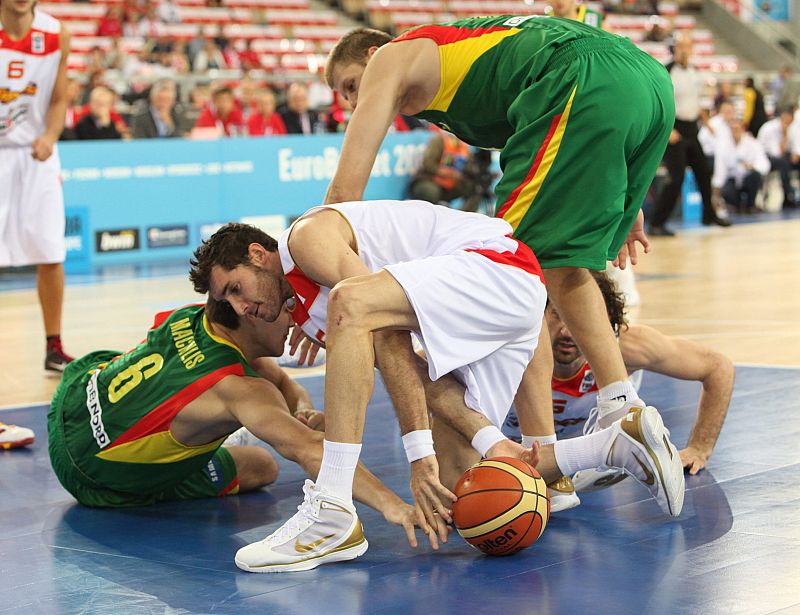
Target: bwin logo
<point>500,541</point>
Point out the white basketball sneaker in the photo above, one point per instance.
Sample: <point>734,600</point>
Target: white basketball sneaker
<point>12,436</point>
<point>562,495</point>
<point>325,529</point>
<point>602,417</point>
<point>640,447</point>
<point>241,437</point>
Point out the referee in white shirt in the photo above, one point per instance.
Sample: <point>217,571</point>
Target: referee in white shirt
<point>684,148</point>
<point>779,136</point>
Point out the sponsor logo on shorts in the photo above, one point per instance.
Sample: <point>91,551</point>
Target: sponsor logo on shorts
<point>96,412</point>
<point>117,240</point>
<point>167,236</point>
<point>213,472</point>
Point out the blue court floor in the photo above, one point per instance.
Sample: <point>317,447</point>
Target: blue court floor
<point>735,548</point>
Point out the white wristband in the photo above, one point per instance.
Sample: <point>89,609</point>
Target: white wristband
<point>418,444</point>
<point>486,438</point>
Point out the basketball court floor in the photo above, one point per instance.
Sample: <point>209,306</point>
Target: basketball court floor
<point>734,549</point>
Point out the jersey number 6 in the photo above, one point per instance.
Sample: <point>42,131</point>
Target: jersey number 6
<point>16,69</point>
<point>131,377</point>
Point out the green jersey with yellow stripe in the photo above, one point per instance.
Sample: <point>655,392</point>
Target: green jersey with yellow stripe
<point>486,62</point>
<point>112,411</point>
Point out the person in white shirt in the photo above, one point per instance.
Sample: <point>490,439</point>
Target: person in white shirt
<point>717,129</point>
<point>739,170</point>
<point>776,137</point>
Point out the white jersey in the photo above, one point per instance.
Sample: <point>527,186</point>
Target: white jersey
<point>391,232</point>
<point>573,400</point>
<point>28,71</point>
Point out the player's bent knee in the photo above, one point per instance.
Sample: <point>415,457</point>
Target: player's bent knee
<point>255,466</point>
<point>346,306</point>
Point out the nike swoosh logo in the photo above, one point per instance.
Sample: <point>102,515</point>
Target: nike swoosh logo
<point>301,548</point>
<point>650,478</point>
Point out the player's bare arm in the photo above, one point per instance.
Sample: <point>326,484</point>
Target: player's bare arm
<point>298,401</point>
<point>400,77</point>
<point>645,348</point>
<point>57,111</point>
<point>361,305</point>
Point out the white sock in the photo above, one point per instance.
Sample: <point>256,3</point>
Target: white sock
<point>583,453</point>
<point>527,441</point>
<point>622,390</point>
<point>339,461</point>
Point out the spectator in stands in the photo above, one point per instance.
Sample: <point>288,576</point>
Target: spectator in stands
<point>199,99</point>
<point>724,93</point>
<point>337,114</point>
<point>168,12</point>
<point>246,96</point>
<point>209,57</point>
<point>443,176</point>
<point>178,60</point>
<point>249,59</point>
<point>776,138</point>
<point>754,113</point>
<point>264,120</point>
<point>658,30</point>
<point>96,79</point>
<point>74,94</point>
<point>739,171</point>
<point>98,124</point>
<point>786,89</point>
<point>297,117</point>
<point>222,114</point>
<point>684,147</point>
<point>111,24</point>
<point>570,9</point>
<point>194,46</point>
<point>149,26</point>
<point>160,119</point>
<point>716,129</point>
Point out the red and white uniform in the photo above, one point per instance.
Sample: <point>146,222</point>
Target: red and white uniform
<point>31,201</point>
<point>573,399</point>
<point>477,293</point>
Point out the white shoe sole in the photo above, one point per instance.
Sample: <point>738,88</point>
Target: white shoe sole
<point>560,502</point>
<point>666,460</point>
<point>595,480</point>
<point>330,557</point>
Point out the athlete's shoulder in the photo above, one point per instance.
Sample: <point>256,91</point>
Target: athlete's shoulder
<point>44,22</point>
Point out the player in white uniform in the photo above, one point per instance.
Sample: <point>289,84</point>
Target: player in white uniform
<point>33,80</point>
<point>642,347</point>
<point>362,276</point>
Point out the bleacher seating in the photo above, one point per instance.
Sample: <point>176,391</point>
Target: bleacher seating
<point>291,35</point>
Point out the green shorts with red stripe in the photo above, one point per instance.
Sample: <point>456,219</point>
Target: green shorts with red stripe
<point>578,166</point>
<point>104,483</point>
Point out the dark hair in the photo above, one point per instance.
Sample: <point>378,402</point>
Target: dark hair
<point>222,313</point>
<point>354,47</point>
<point>222,90</point>
<point>614,300</point>
<point>228,248</point>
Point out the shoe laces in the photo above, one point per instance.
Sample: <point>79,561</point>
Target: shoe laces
<point>307,512</point>
<point>590,426</point>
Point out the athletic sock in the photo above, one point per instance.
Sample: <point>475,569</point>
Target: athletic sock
<point>339,461</point>
<point>527,441</point>
<point>53,342</point>
<point>583,453</point>
<point>622,390</point>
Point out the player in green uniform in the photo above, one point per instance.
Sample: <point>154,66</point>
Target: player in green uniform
<point>147,425</point>
<point>582,118</point>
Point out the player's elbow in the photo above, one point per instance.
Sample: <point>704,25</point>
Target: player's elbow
<point>722,371</point>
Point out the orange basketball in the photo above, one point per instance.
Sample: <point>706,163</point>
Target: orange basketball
<point>502,506</point>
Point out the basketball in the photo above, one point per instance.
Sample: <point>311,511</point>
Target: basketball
<point>502,506</point>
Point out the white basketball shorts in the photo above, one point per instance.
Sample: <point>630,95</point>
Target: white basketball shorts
<point>480,313</point>
<point>31,209</point>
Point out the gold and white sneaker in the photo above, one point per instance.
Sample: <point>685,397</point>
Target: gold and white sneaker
<point>12,436</point>
<point>595,480</point>
<point>562,495</point>
<point>640,446</point>
<point>325,529</point>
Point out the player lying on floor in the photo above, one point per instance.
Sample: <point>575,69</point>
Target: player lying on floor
<point>365,274</point>
<point>643,348</point>
<point>148,425</point>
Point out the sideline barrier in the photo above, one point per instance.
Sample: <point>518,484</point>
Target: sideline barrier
<point>150,200</point>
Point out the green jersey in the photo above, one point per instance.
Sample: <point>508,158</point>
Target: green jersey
<point>113,410</point>
<point>486,63</point>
